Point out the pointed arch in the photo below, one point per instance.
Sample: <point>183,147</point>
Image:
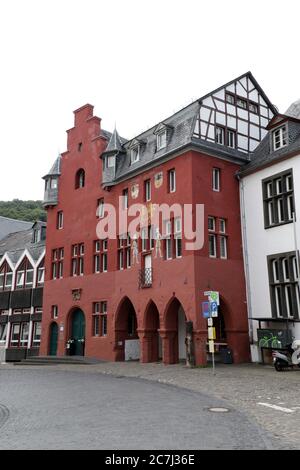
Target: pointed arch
<point>125,324</point>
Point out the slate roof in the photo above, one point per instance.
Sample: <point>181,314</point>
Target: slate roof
<point>263,156</point>
<point>8,226</point>
<point>115,143</point>
<point>14,245</point>
<point>180,135</point>
<point>55,169</point>
<point>294,110</point>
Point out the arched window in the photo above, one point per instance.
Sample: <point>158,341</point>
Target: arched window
<point>5,277</point>
<point>80,179</point>
<point>24,277</point>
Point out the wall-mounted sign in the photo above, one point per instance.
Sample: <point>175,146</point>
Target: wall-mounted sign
<point>135,189</point>
<point>158,179</point>
<point>274,339</point>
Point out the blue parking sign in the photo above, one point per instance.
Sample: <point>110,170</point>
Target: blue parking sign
<point>214,309</point>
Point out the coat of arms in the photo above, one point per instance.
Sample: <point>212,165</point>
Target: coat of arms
<point>134,191</point>
<point>158,179</point>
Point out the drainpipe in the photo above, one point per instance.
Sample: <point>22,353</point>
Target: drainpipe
<point>246,258</point>
<point>296,249</point>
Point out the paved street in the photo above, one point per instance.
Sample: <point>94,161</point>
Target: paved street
<point>112,406</point>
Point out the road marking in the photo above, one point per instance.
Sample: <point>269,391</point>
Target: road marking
<point>278,408</point>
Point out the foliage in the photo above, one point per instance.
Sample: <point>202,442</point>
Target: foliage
<point>23,210</point>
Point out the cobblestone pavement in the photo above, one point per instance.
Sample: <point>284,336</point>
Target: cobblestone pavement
<point>252,389</point>
<point>57,409</point>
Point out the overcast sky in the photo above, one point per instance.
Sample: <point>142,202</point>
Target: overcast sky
<point>136,61</point>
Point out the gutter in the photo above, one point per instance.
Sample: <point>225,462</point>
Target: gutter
<point>246,258</point>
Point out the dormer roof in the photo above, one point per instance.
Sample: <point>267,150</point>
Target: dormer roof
<point>280,119</point>
<point>114,144</point>
<point>55,169</point>
<point>161,127</point>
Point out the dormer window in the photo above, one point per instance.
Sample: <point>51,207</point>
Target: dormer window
<point>135,154</point>
<point>161,140</point>
<point>279,137</point>
<point>110,162</point>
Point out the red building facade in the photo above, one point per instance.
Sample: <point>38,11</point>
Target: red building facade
<point>102,301</point>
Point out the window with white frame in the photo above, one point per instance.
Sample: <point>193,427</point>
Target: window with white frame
<point>60,220</point>
<point>24,277</point>
<point>278,199</point>
<point>100,208</point>
<point>178,236</point>
<point>220,135</point>
<point>147,186</point>
<point>41,274</point>
<point>161,140</point>
<point>99,324</point>
<point>110,161</point>
<point>5,277</point>
<point>211,224</point>
<point>284,285</point>
<point>3,332</point>
<point>168,239</point>
<point>172,181</point>
<point>279,137</point>
<point>36,334</point>
<point>125,198</point>
<point>212,245</point>
<point>54,312</point>
<point>135,154</point>
<point>216,173</point>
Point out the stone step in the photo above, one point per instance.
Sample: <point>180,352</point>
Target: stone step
<point>52,360</point>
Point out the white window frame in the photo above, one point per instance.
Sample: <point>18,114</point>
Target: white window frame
<point>60,220</point>
<point>213,219</point>
<point>216,179</point>
<point>161,140</point>
<point>223,248</point>
<point>172,181</point>
<point>135,154</point>
<point>110,161</point>
<point>214,237</point>
<point>279,137</point>
<point>148,190</point>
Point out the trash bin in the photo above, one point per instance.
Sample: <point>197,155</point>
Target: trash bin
<point>226,356</point>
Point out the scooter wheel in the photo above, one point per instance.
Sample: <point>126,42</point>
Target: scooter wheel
<point>278,366</point>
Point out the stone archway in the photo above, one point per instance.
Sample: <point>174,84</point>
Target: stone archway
<point>174,333</point>
<point>151,344</point>
<point>127,344</point>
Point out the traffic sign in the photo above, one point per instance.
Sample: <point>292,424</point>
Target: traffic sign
<point>211,345</point>
<point>205,310</point>
<point>213,309</point>
<point>211,333</point>
<point>214,297</point>
<point>210,322</point>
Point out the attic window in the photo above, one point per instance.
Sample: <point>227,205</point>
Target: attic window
<point>161,140</point>
<point>279,137</point>
<point>110,161</point>
<point>135,154</point>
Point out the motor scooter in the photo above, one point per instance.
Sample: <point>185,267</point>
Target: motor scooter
<point>288,358</point>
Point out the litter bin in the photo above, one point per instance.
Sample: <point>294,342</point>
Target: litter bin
<point>226,356</point>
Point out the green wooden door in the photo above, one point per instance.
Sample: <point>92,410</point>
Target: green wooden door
<point>78,333</point>
<point>53,339</point>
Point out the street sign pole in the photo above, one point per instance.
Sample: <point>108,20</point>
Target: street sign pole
<point>213,303</point>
